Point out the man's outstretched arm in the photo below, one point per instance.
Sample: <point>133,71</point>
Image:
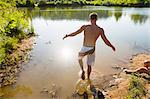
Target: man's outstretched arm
<point>74,33</point>
<point>106,40</point>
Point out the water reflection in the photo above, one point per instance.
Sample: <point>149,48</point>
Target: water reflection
<point>141,19</point>
<point>80,14</point>
<point>117,16</point>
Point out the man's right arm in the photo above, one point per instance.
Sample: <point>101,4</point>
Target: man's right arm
<point>75,33</point>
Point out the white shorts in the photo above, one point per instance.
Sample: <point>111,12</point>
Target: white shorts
<point>90,57</point>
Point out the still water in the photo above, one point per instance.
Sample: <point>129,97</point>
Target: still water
<point>54,61</point>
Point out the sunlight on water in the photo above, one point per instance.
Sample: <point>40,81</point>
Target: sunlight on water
<point>66,53</point>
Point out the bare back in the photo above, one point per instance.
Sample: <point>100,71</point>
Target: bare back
<point>91,34</point>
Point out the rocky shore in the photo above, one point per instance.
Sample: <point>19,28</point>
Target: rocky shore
<point>10,68</point>
<point>119,87</point>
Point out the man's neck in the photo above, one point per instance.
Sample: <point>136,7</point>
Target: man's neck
<point>93,23</point>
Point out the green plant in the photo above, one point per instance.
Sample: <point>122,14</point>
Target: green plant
<point>42,3</point>
<point>136,88</point>
<point>14,26</point>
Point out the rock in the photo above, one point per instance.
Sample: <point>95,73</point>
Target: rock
<point>131,61</point>
<point>100,95</point>
<point>48,42</point>
<point>93,90</point>
<point>118,67</point>
<point>115,82</point>
<point>85,95</point>
<point>74,95</point>
<point>146,63</point>
<point>1,94</point>
<point>1,75</point>
<point>53,92</point>
<point>44,90</point>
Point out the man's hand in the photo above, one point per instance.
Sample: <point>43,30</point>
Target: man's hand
<point>65,36</point>
<point>113,48</point>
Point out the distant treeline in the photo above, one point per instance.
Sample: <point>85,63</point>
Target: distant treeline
<point>32,3</point>
<point>95,2</point>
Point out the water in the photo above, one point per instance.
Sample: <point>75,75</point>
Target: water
<point>54,61</point>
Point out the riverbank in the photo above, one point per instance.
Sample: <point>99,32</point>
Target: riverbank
<point>13,63</point>
<point>122,85</point>
<point>119,85</point>
<point>130,86</point>
<point>15,31</point>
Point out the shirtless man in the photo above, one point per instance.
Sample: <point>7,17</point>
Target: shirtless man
<point>91,34</point>
<point>143,69</point>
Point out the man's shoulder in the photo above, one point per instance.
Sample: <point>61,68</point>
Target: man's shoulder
<point>100,28</point>
<point>85,25</point>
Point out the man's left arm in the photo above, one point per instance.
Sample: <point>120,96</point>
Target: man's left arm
<point>106,40</point>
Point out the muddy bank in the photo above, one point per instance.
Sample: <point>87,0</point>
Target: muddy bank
<point>10,68</point>
<point>120,86</point>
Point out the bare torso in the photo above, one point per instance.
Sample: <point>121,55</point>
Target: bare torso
<point>91,34</point>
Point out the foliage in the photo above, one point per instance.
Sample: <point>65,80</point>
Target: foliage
<point>10,44</point>
<point>14,25</point>
<point>136,88</point>
<point>96,2</point>
<point>20,2</point>
<point>31,3</point>
<point>42,3</point>
<point>2,51</point>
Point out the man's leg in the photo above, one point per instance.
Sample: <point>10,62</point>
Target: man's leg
<point>90,62</point>
<point>89,69</point>
<point>81,66</point>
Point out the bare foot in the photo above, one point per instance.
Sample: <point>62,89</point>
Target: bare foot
<point>83,75</point>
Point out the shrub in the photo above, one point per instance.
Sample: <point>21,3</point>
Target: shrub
<point>14,26</point>
<point>41,3</point>
<point>136,88</point>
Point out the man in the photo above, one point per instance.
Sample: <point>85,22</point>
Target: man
<point>143,69</point>
<point>91,34</point>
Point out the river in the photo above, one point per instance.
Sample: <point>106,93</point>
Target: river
<point>54,61</point>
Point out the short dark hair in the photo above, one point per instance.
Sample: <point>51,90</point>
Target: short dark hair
<point>93,16</point>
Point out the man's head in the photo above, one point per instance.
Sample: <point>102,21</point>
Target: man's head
<point>93,16</point>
